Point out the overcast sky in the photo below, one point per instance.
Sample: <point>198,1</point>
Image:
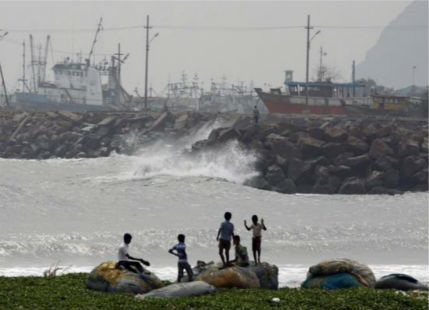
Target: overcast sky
<point>202,42</point>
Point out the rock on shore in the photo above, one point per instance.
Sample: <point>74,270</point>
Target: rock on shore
<point>295,154</point>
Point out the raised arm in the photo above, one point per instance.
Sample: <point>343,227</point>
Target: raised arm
<point>263,224</point>
<point>245,225</point>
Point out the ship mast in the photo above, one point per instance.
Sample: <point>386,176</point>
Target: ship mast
<point>99,28</point>
<point>32,63</point>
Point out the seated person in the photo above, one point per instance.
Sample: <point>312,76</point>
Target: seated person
<point>241,257</point>
<point>127,261</point>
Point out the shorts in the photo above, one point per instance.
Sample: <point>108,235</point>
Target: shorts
<point>224,244</point>
<point>256,243</point>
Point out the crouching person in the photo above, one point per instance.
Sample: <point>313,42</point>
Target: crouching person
<point>241,257</point>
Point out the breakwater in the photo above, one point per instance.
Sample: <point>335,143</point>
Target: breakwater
<point>306,154</point>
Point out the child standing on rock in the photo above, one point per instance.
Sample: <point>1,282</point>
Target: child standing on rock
<point>183,264</point>
<point>257,237</point>
<point>226,231</point>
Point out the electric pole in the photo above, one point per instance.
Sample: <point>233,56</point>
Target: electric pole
<point>308,58</point>
<point>147,27</point>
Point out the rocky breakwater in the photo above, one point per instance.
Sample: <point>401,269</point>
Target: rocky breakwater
<point>64,134</point>
<point>332,155</point>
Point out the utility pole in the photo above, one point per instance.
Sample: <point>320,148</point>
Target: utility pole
<point>308,58</point>
<point>4,86</point>
<point>354,77</point>
<point>147,27</point>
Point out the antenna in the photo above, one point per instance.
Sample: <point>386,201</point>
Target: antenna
<point>32,63</point>
<point>99,28</point>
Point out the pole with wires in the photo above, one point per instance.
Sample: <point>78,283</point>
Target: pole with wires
<point>147,27</point>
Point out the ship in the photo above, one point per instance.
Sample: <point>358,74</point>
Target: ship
<point>78,84</point>
<point>320,97</point>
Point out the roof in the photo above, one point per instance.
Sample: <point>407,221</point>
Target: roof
<point>325,84</point>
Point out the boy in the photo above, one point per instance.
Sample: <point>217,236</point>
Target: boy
<point>127,261</point>
<point>224,234</point>
<point>257,236</point>
<point>241,257</point>
<point>180,249</point>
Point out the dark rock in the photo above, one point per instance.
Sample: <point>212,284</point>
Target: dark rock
<point>282,162</point>
<point>281,146</point>
<point>379,149</point>
<point>287,186</point>
<point>408,147</point>
<point>386,163</point>
<point>310,147</point>
<point>411,165</point>
<point>274,174</point>
<point>375,178</point>
<point>424,146</point>
<point>335,134</point>
<point>391,178</point>
<point>299,170</point>
<point>352,185</point>
<point>267,275</point>
<point>379,190</point>
<point>317,133</point>
<point>258,182</point>
<point>327,184</point>
<point>227,134</point>
<point>356,145</point>
<point>341,171</point>
<point>332,150</point>
<point>161,122</point>
<point>319,161</point>
<point>357,163</point>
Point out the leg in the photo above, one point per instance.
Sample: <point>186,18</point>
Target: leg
<point>221,247</point>
<point>137,265</point>
<point>180,272</point>
<point>254,250</point>
<point>227,256</point>
<point>189,272</point>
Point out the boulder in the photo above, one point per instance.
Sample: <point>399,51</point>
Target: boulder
<point>287,186</point>
<point>379,149</point>
<point>340,171</point>
<point>332,150</point>
<point>70,115</point>
<point>106,278</point>
<point>327,184</point>
<point>386,163</point>
<point>274,174</point>
<point>401,282</point>
<point>408,147</point>
<point>227,134</point>
<point>380,190</point>
<point>391,178</point>
<point>240,277</point>
<point>335,134</point>
<point>281,146</point>
<point>258,182</point>
<point>352,185</point>
<point>339,273</point>
<point>310,147</point>
<point>375,178</point>
<point>317,133</point>
<point>358,163</point>
<point>356,145</point>
<point>267,275</point>
<point>186,289</point>
<point>411,165</point>
<point>299,170</point>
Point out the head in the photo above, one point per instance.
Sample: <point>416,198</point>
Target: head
<point>255,219</point>
<point>236,240</point>
<point>181,238</point>
<point>127,238</point>
<point>227,216</point>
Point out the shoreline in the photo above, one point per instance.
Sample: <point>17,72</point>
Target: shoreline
<point>293,153</point>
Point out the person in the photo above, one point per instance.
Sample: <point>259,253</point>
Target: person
<point>257,237</point>
<point>126,261</point>
<point>224,234</point>
<point>256,114</point>
<point>241,257</point>
<point>182,264</point>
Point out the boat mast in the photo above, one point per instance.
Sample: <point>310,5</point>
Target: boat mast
<point>45,59</point>
<point>23,80</point>
<point>99,28</point>
<point>32,63</point>
<point>4,86</point>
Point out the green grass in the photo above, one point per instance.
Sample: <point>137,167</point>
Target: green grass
<point>69,292</point>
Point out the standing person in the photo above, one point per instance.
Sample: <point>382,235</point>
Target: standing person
<point>183,264</point>
<point>257,237</point>
<point>226,231</point>
<point>127,261</point>
<point>241,257</point>
<point>256,115</point>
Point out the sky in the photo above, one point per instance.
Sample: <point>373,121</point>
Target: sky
<point>241,41</point>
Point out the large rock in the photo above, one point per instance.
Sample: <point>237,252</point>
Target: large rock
<point>356,145</point>
<point>227,134</point>
<point>310,147</point>
<point>186,289</point>
<point>352,185</point>
<point>274,174</point>
<point>411,165</point>
<point>258,182</point>
<point>254,276</point>
<point>401,282</point>
<point>358,163</point>
<point>287,186</point>
<point>106,278</point>
<point>240,277</point>
<point>332,150</point>
<point>375,178</point>
<point>299,170</point>
<point>379,149</point>
<point>339,273</point>
<point>335,134</point>
<point>281,146</point>
<point>408,147</point>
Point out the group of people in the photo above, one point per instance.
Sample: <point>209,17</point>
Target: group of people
<point>224,236</point>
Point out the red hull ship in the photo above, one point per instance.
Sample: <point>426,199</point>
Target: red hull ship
<point>323,98</point>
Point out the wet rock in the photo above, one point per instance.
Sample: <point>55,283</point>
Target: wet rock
<point>341,171</point>
<point>376,178</point>
<point>310,147</point>
<point>287,186</point>
<point>386,163</point>
<point>408,147</point>
<point>401,282</point>
<point>327,184</point>
<point>356,145</point>
<point>281,146</point>
<point>352,185</point>
<point>411,165</point>
<point>258,182</point>
<point>227,134</point>
<point>358,163</point>
<point>317,133</point>
<point>391,178</point>
<point>332,150</point>
<point>335,134</point>
<point>299,170</point>
<point>380,190</point>
<point>379,149</point>
<point>267,275</point>
<point>274,174</point>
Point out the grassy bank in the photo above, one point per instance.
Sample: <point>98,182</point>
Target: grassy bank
<point>69,292</point>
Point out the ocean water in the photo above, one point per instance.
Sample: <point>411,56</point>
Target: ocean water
<point>73,213</point>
